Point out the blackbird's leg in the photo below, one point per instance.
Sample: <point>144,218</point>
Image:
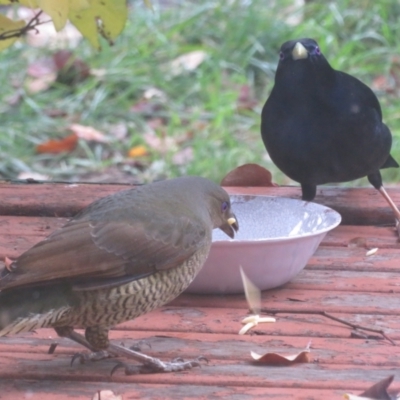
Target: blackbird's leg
<point>393,206</point>
<point>375,180</point>
<point>149,364</point>
<point>309,191</point>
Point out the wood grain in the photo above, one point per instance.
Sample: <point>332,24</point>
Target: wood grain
<point>340,279</point>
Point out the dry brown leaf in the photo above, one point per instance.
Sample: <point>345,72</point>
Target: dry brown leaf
<point>88,133</point>
<point>138,151</point>
<point>378,391</point>
<point>358,242</point>
<point>54,146</point>
<point>248,175</point>
<point>70,69</point>
<point>276,359</point>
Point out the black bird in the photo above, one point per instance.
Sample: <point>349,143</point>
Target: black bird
<point>121,257</point>
<point>320,125</point>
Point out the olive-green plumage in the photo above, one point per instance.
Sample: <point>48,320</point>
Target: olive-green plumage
<point>122,256</point>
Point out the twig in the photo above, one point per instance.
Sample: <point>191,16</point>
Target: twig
<point>52,348</point>
<point>31,25</point>
<point>326,315</point>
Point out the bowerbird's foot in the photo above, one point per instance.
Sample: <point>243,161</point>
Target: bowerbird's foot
<point>154,365</point>
<point>92,356</point>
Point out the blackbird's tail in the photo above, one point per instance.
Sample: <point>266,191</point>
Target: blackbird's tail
<point>390,163</point>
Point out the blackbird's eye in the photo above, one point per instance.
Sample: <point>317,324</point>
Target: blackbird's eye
<point>317,51</point>
<point>224,206</point>
<point>281,55</point>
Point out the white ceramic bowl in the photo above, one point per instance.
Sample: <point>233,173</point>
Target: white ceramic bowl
<point>276,238</point>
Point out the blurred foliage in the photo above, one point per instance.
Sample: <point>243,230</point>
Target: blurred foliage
<point>209,114</point>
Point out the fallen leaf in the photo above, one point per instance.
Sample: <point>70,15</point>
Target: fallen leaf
<point>88,133</point>
<point>41,68</point>
<point>55,113</point>
<point>187,62</point>
<point>146,107</point>
<point>40,84</point>
<point>106,395</point>
<point>98,72</point>
<point>376,392</point>
<point>15,98</point>
<point>118,130</point>
<point>248,175</point>
<point>41,74</point>
<point>54,146</point>
<point>138,151</point>
<point>183,156</point>
<point>162,144</point>
<point>384,83</point>
<point>154,92</point>
<point>358,242</point>
<point>276,359</point>
<point>156,123</point>
<point>70,69</point>
<point>246,99</point>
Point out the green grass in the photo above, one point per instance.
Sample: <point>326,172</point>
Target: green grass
<point>241,42</point>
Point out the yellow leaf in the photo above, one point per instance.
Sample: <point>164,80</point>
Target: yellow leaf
<point>138,151</point>
<point>58,11</point>
<point>8,25</point>
<point>26,3</point>
<point>78,5</point>
<point>106,17</point>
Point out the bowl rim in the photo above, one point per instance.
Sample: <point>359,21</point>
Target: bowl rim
<point>324,209</point>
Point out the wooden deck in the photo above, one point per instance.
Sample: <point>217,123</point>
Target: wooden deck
<point>339,279</point>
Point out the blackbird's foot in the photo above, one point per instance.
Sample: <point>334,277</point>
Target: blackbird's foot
<point>92,356</point>
<point>154,365</point>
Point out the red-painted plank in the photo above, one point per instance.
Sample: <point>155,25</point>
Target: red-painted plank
<point>50,390</point>
<point>217,347</point>
<point>358,206</point>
